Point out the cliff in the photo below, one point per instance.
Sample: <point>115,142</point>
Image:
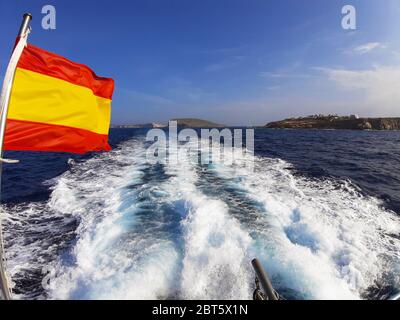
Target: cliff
<point>332,122</point>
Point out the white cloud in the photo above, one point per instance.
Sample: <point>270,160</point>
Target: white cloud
<point>283,75</point>
<point>218,66</point>
<point>183,91</point>
<point>379,86</point>
<point>368,47</point>
<point>226,64</point>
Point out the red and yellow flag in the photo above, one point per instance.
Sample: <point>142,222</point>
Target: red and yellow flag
<point>57,105</point>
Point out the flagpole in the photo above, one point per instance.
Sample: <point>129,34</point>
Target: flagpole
<point>5,291</point>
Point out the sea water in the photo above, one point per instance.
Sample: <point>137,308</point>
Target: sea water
<point>320,209</point>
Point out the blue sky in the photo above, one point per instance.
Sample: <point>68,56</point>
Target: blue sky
<point>235,62</point>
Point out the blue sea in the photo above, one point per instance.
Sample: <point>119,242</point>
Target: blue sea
<point>320,209</point>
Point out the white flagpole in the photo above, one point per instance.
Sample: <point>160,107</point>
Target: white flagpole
<point>5,291</point>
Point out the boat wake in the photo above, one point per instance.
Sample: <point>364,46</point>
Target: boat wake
<point>117,227</point>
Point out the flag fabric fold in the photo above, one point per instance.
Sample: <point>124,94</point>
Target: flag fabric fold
<point>57,105</point>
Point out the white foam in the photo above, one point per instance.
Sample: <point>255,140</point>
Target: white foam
<point>320,238</point>
<point>216,262</point>
<point>108,263</point>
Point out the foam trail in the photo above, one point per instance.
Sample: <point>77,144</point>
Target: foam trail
<point>121,253</point>
<point>320,239</point>
<point>116,227</point>
<point>37,235</point>
<point>216,263</point>
<point>143,233</point>
<point>116,255</point>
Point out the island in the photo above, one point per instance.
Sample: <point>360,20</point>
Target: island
<point>197,123</point>
<point>139,126</point>
<point>352,122</point>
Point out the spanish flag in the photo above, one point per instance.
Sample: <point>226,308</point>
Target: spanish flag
<point>57,105</point>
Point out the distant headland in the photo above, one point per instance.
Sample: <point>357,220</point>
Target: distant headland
<point>352,122</point>
<point>137,126</point>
